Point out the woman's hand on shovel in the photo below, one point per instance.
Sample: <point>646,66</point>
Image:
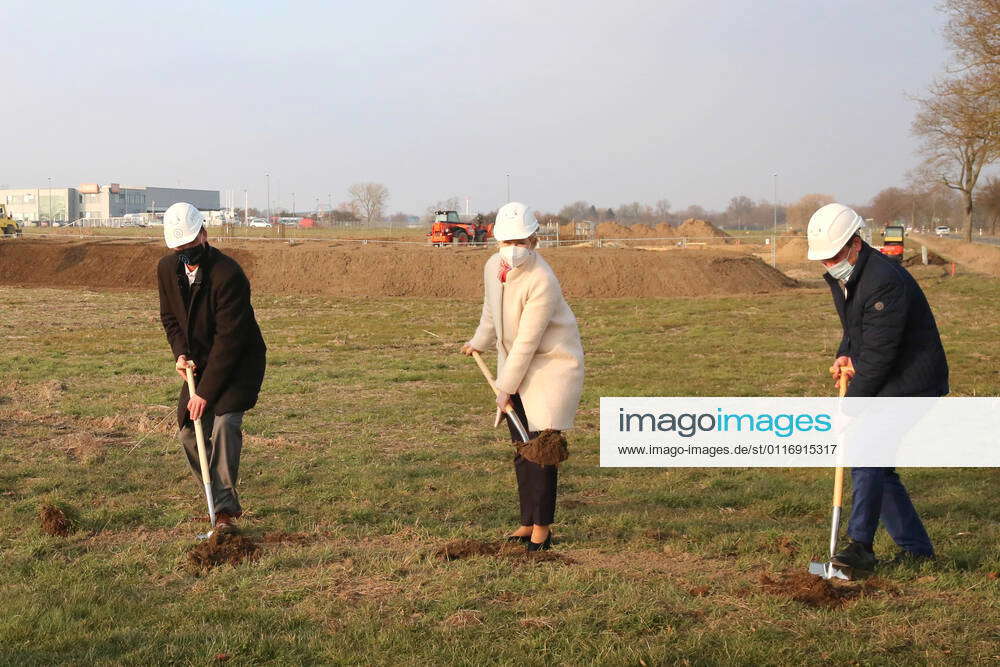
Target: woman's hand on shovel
<point>503,398</point>
<point>467,350</point>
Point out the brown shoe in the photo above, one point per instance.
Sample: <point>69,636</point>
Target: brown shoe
<point>226,523</point>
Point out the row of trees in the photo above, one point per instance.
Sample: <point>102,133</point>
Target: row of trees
<point>959,121</point>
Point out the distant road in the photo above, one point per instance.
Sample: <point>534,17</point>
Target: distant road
<point>991,240</point>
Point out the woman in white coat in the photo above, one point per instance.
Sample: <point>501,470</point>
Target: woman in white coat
<point>539,357</point>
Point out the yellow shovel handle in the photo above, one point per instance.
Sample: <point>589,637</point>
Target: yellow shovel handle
<point>846,373</point>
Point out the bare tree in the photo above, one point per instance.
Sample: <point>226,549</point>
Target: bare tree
<point>739,211</point>
<point>975,39</point>
<point>989,202</point>
<point>449,204</point>
<point>371,199</point>
<point>578,210</point>
<point>893,204</point>
<point>662,209</point>
<point>798,214</point>
<point>960,128</point>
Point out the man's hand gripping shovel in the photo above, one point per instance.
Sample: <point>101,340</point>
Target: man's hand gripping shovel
<point>206,477</point>
<point>828,570</point>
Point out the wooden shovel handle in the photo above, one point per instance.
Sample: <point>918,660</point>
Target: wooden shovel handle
<point>846,373</point>
<point>486,371</point>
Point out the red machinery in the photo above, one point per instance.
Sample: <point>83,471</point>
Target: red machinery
<point>448,228</point>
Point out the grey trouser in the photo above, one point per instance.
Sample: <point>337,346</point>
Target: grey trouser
<point>223,448</point>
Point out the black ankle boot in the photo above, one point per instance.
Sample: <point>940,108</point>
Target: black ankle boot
<point>540,546</point>
<point>519,539</point>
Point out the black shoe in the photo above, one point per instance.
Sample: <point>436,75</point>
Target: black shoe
<point>540,546</point>
<point>905,557</point>
<point>519,539</point>
<point>856,556</point>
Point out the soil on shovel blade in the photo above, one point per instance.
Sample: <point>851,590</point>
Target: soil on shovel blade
<point>54,521</point>
<point>818,592</point>
<point>461,549</point>
<point>221,549</point>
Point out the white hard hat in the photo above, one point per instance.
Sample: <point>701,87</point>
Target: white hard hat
<point>514,221</point>
<point>181,224</point>
<point>830,228</point>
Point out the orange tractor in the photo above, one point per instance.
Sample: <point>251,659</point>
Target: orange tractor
<point>892,242</point>
<point>448,228</point>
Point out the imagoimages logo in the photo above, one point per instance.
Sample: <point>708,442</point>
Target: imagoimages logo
<point>799,431</point>
<point>689,424</point>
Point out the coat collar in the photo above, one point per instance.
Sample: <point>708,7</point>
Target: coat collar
<point>204,269</point>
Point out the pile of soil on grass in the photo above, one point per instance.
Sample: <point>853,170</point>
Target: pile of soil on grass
<point>54,521</point>
<point>815,591</point>
<point>700,230</point>
<point>461,549</point>
<point>354,270</point>
<point>979,257</point>
<point>793,251</point>
<point>221,549</point>
<point>917,260</point>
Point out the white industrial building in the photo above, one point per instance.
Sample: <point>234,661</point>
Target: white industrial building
<point>92,201</point>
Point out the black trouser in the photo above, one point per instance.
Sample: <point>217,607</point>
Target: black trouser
<point>536,484</point>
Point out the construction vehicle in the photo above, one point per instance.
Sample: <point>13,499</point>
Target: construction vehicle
<point>8,225</point>
<point>448,228</point>
<point>892,242</point>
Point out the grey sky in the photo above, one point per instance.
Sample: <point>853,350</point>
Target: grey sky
<point>694,102</point>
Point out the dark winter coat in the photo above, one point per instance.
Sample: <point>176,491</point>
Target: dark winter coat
<point>889,331</point>
<point>212,323</point>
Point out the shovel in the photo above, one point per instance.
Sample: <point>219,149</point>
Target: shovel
<point>509,409</point>
<point>828,570</point>
<point>206,477</point>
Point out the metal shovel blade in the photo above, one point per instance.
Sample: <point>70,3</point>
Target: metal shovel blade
<point>205,536</point>
<point>828,571</point>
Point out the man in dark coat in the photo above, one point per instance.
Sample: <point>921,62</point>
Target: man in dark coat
<point>209,321</point>
<point>891,340</point>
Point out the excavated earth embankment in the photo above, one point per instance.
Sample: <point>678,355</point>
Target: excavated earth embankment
<point>340,269</point>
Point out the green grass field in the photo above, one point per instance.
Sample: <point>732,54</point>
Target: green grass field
<point>372,446</point>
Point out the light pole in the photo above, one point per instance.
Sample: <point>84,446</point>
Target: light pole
<point>774,230</point>
<point>50,201</point>
<point>293,204</point>
<point>246,208</point>
<point>268,177</point>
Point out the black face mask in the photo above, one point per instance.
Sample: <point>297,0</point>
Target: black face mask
<point>192,256</point>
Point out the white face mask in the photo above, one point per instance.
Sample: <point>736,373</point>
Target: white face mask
<point>514,255</point>
<point>841,270</point>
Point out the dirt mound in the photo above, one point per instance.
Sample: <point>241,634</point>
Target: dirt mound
<point>461,549</point>
<point>700,229</point>
<point>917,260</point>
<point>793,251</point>
<point>54,521</point>
<point>612,230</point>
<point>356,270</point>
<point>815,591</point>
<point>221,549</point>
<point>979,257</point>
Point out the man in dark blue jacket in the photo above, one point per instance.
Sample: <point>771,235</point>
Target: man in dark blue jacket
<point>892,343</point>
